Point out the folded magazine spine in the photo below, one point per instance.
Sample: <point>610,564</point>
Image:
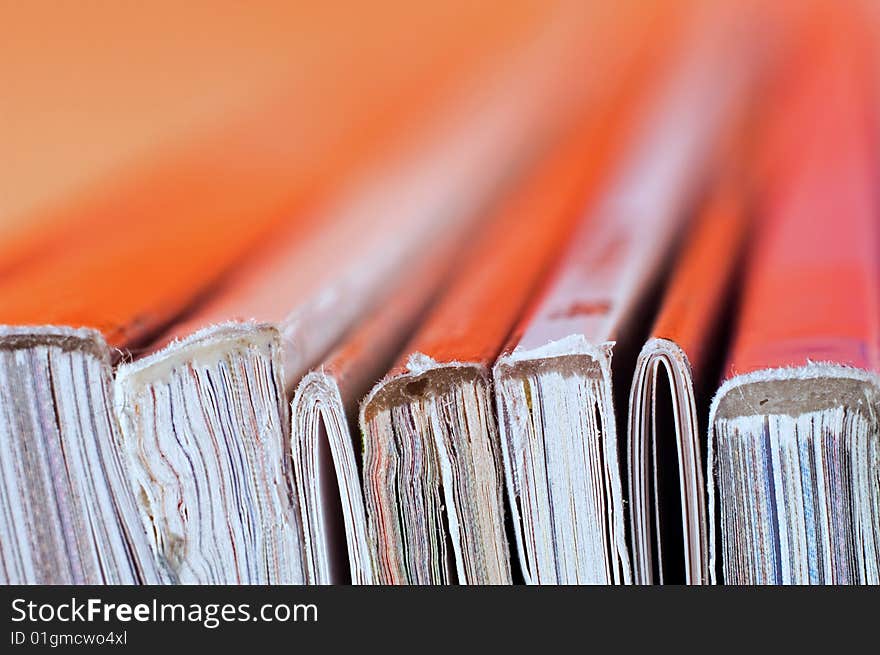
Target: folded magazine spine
<point>667,503</point>
<point>327,475</point>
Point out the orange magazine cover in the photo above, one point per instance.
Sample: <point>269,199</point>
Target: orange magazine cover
<point>793,430</point>
<point>144,241</point>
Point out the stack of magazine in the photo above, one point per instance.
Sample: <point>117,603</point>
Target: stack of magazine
<point>597,302</point>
